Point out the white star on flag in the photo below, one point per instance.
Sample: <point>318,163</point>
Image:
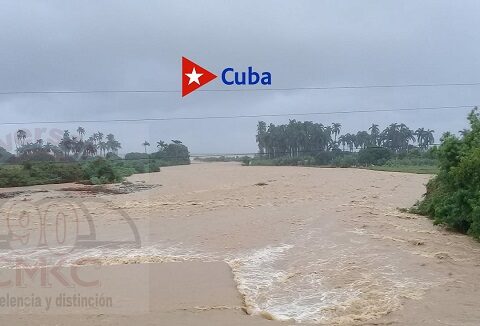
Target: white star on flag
<point>194,77</point>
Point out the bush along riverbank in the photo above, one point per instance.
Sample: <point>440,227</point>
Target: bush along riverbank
<point>453,196</point>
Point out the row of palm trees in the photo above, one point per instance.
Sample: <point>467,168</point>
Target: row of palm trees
<point>70,146</point>
<point>161,145</point>
<point>300,138</point>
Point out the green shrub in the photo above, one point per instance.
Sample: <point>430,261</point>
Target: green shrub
<point>345,161</point>
<point>112,156</point>
<point>101,171</point>
<point>173,154</point>
<point>13,177</point>
<point>30,173</point>
<point>324,158</point>
<point>281,161</point>
<point>139,166</point>
<point>374,155</point>
<point>136,156</point>
<point>246,160</point>
<point>453,196</point>
<point>94,171</point>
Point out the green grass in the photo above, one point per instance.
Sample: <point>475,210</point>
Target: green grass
<point>416,165</point>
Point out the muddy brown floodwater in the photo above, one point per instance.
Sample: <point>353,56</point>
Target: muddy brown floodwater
<point>303,245</point>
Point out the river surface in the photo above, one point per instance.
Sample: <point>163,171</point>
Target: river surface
<point>305,245</point>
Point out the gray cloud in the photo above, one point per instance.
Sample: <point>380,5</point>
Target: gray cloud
<point>89,45</point>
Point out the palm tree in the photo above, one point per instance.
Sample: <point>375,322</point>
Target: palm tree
<point>407,135</point>
<point>362,139</point>
<point>21,136</point>
<point>113,144</point>
<point>116,146</point>
<point>145,144</point>
<point>429,139</point>
<point>79,148</point>
<point>328,131</point>
<point>397,137</point>
<point>374,133</point>
<point>420,133</point>
<point>66,143</point>
<point>350,141</point>
<point>342,140</point>
<point>336,127</point>
<point>161,145</point>
<point>90,149</point>
<point>102,146</point>
<point>48,147</point>
<point>81,132</point>
<point>74,145</point>
<point>99,136</point>
<point>260,138</point>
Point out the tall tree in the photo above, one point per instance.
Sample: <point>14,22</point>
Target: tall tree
<point>429,138</point>
<point>145,144</point>
<point>161,145</point>
<point>336,128</point>
<point>81,132</point>
<point>260,137</point>
<point>342,140</point>
<point>374,134</point>
<point>21,136</point>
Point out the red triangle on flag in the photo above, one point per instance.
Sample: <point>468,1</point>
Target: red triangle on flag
<point>194,76</point>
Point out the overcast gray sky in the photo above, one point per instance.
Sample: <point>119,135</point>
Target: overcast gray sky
<point>111,44</point>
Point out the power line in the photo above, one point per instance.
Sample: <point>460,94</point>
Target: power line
<point>159,91</point>
<point>432,108</point>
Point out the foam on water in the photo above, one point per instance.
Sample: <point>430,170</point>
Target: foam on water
<point>292,283</point>
<point>275,292</point>
<point>255,274</point>
<point>106,256</point>
<point>282,282</point>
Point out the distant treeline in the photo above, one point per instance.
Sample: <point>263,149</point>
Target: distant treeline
<point>69,148</point>
<point>223,158</point>
<point>310,143</point>
<point>75,159</point>
<point>298,138</point>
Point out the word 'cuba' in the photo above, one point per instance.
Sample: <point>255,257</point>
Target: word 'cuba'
<point>232,77</point>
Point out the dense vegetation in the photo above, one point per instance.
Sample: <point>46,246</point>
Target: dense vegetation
<point>174,153</point>
<point>397,147</point>
<point>453,196</point>
<point>74,159</point>
<point>96,171</point>
<point>298,138</point>
<point>223,158</point>
<point>28,174</point>
<point>69,147</point>
<point>4,155</point>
